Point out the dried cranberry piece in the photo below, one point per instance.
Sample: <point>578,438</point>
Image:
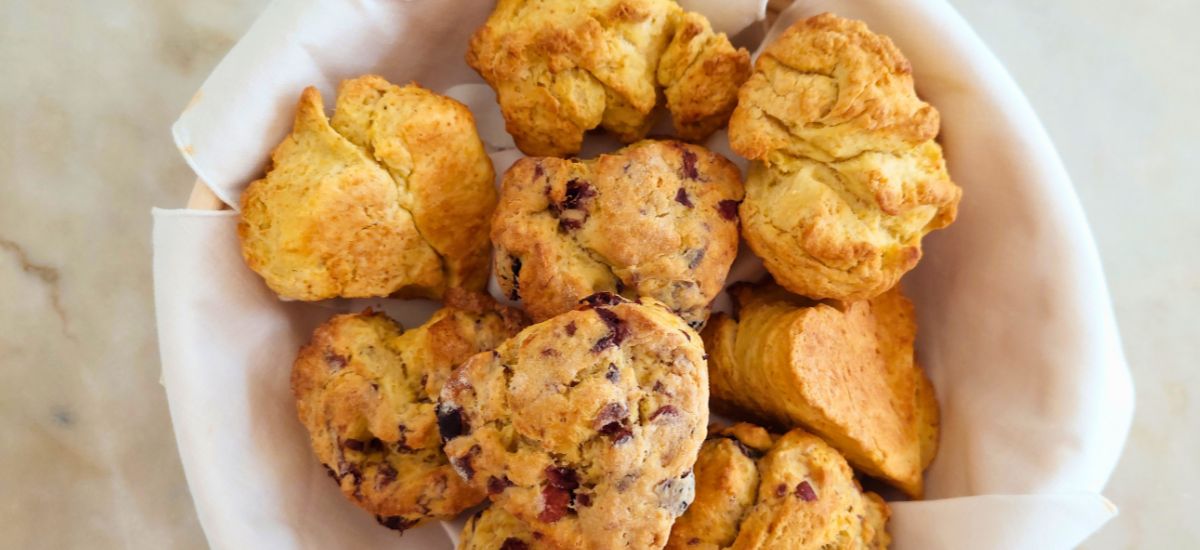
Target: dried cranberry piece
<point>618,432</point>
<point>463,466</point>
<point>555,502</point>
<point>558,494</point>
<point>805,492</point>
<point>613,375</point>
<point>497,485</point>
<point>626,482</point>
<point>571,328</point>
<point>728,209</point>
<point>335,361</point>
<point>385,474</point>
<point>512,543</point>
<point>515,262</point>
<point>577,193</point>
<point>603,299</point>
<point>689,164</point>
<point>562,478</point>
<point>668,410</point>
<point>612,412</point>
<point>681,197</point>
<point>538,171</point>
<point>352,471</point>
<point>571,223</point>
<point>618,331</point>
<point>781,490</point>
<point>694,256</point>
<point>583,499</point>
<point>451,422</point>
<point>399,523</point>
<point>611,420</point>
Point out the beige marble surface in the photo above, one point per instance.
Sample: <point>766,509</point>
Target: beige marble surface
<point>91,88</point>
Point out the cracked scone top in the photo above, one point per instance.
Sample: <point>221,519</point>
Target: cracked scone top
<point>656,219</point>
<point>847,177</point>
<point>845,372</point>
<point>563,67</point>
<point>366,392</point>
<point>585,426</point>
<point>391,197</point>
<point>756,491</point>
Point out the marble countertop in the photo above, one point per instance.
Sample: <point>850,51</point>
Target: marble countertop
<point>89,455</point>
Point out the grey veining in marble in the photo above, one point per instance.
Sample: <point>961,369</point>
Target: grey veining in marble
<point>90,89</point>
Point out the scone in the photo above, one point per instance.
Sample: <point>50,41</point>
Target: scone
<point>755,491</point>
<point>366,392</point>
<point>585,426</point>
<point>563,67</point>
<point>655,219</point>
<point>391,198</point>
<point>847,177</point>
<point>494,529</point>
<point>845,372</point>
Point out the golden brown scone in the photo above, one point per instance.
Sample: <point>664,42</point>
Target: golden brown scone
<point>700,73</point>
<point>392,198</point>
<point>366,392</point>
<point>495,529</point>
<point>655,219</point>
<point>847,177</point>
<point>727,480</point>
<point>845,373</point>
<point>756,491</point>
<point>585,426</point>
<point>563,67</point>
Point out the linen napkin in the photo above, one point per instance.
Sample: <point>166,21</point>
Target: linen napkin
<point>1016,326</point>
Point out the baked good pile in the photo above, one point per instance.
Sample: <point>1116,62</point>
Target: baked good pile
<point>576,403</point>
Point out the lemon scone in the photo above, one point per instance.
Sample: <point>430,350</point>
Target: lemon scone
<point>585,426</point>
<point>391,197</point>
<point>655,219</point>
<point>845,372</point>
<point>756,491</point>
<point>846,177</point>
<point>366,392</point>
<point>563,67</point>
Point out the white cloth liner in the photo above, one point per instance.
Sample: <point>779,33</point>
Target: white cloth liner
<point>1016,326</point>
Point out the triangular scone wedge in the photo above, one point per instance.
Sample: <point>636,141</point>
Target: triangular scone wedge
<point>846,373</point>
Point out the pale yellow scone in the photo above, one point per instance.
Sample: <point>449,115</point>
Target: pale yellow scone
<point>846,373</point>
<point>392,197</point>
<point>846,177</point>
<point>366,390</point>
<point>755,491</point>
<point>585,426</point>
<point>563,67</point>
<point>655,219</point>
